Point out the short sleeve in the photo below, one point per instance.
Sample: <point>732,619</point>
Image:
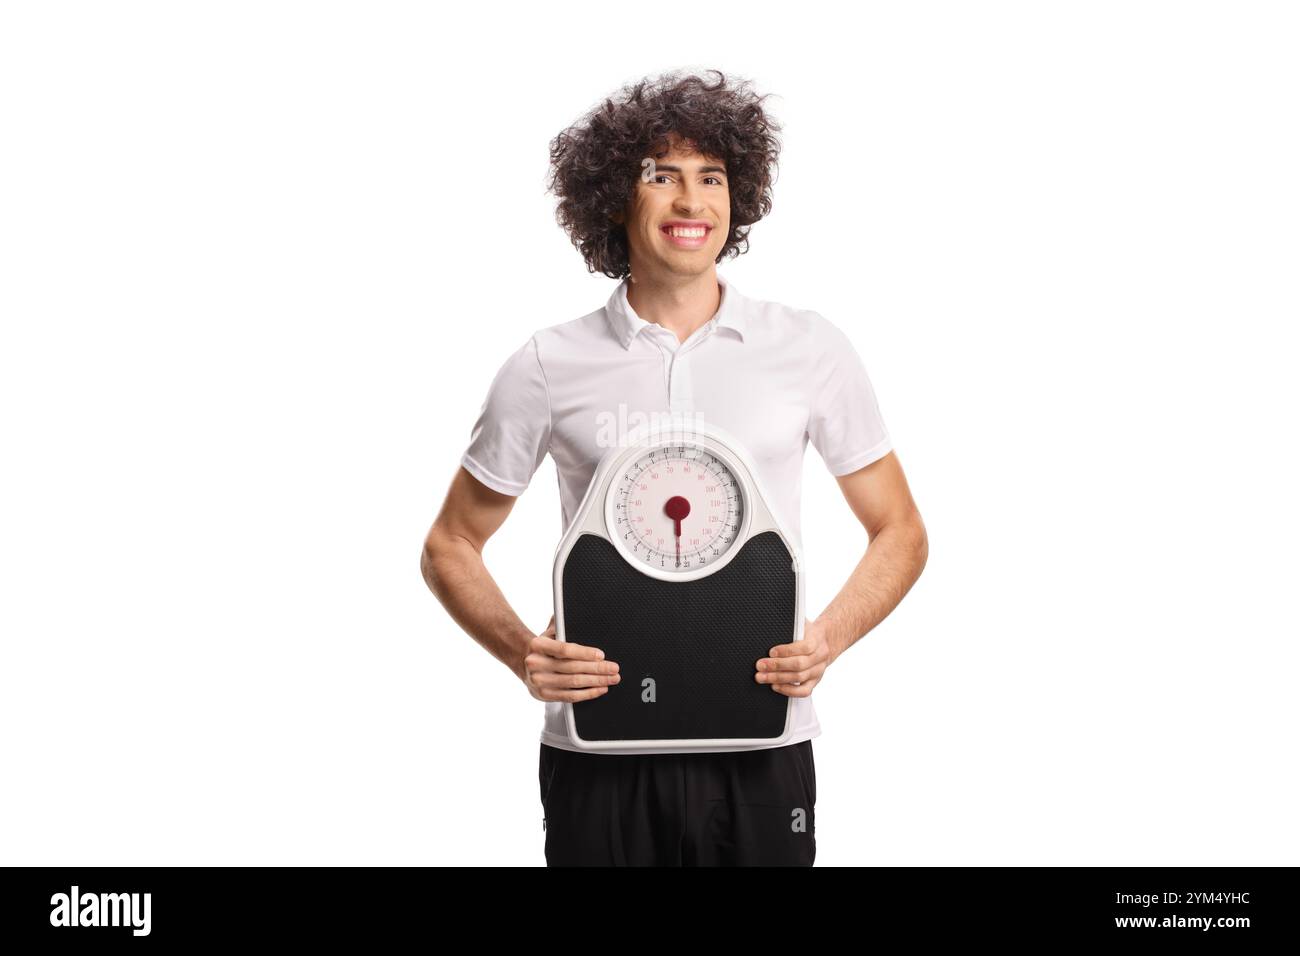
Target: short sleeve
<point>513,430</point>
<point>844,422</point>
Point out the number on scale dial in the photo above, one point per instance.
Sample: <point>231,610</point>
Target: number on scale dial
<point>677,507</point>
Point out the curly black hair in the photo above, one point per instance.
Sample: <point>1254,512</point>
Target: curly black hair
<point>596,162</point>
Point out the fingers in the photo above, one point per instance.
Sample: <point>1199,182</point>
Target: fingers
<point>564,671</point>
<point>556,685</point>
<point>542,664</point>
<point>793,676</point>
<point>562,681</point>
<point>800,688</point>
<point>789,677</point>
<point>553,647</point>
<point>573,696</point>
<point>786,668</point>
<point>576,667</point>
<point>797,656</point>
<point>803,689</point>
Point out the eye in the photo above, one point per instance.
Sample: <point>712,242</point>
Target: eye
<point>659,176</point>
<point>716,180</point>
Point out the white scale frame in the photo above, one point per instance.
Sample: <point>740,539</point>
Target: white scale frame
<point>596,516</point>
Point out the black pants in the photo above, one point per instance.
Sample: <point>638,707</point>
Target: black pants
<point>742,808</point>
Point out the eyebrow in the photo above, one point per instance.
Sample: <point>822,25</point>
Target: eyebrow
<point>702,169</point>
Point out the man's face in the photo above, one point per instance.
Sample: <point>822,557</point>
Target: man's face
<point>678,221</point>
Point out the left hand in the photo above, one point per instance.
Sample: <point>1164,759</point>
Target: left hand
<point>794,669</point>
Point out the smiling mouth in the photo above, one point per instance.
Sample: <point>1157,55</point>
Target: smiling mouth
<point>686,237</point>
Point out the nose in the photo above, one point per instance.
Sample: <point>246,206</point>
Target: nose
<point>689,201</point>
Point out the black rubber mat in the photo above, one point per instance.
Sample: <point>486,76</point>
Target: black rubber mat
<point>696,641</point>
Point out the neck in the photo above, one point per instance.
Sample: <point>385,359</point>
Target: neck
<point>681,305</point>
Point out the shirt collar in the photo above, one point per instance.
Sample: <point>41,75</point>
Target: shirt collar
<point>627,325</point>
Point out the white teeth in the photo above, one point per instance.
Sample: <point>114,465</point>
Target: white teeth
<point>694,232</point>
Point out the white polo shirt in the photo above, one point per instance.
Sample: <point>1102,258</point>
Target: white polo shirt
<point>772,376</point>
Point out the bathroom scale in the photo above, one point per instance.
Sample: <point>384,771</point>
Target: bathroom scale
<point>676,566</point>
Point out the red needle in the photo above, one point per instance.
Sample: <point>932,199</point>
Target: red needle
<point>677,508</point>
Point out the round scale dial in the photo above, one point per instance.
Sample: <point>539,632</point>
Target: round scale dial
<point>676,508</point>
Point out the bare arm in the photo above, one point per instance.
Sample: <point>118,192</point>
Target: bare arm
<point>453,568</point>
<point>897,550</point>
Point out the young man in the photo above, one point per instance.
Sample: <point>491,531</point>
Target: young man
<point>656,186</point>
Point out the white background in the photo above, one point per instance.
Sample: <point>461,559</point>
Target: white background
<point>258,265</point>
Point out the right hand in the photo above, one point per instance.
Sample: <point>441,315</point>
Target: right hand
<point>562,670</point>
